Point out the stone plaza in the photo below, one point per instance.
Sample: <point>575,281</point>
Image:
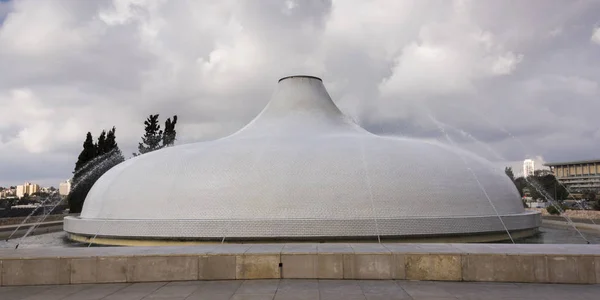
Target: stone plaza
<point>287,289</point>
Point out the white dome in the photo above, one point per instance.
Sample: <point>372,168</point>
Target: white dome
<point>302,169</point>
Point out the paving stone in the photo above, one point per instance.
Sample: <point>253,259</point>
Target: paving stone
<point>379,287</point>
<point>173,291</point>
<point>295,285</point>
<point>143,287</point>
<point>20,293</point>
<point>258,287</point>
<point>297,295</point>
<point>334,248</point>
<point>126,296</point>
<point>338,296</point>
<point>424,289</point>
<point>340,286</point>
<point>220,286</point>
<point>265,249</point>
<point>230,249</point>
<point>392,296</point>
<point>96,292</point>
<point>403,248</point>
<point>185,283</point>
<point>369,248</point>
<point>57,292</point>
<point>303,289</point>
<point>300,248</point>
<point>252,297</point>
<point>433,298</point>
<point>203,295</point>
<point>439,248</point>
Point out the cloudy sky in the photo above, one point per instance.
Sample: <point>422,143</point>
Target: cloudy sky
<point>508,80</point>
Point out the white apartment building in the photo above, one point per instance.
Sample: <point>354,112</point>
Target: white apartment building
<point>27,188</point>
<point>528,167</point>
<point>64,187</point>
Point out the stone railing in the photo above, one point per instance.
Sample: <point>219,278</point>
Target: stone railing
<point>448,262</point>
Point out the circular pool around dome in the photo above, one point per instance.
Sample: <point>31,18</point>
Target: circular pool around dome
<point>302,170</point>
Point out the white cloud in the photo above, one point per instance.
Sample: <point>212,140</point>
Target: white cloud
<point>558,83</point>
<point>596,36</point>
<point>69,67</point>
<point>449,57</point>
<point>558,31</point>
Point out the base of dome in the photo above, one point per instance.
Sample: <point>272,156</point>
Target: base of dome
<point>476,238</point>
<point>415,228</point>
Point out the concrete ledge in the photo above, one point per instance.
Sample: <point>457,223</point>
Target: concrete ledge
<point>21,229</point>
<point>578,264</point>
<point>577,224</point>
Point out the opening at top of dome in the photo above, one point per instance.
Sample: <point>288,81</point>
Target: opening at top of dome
<point>299,76</point>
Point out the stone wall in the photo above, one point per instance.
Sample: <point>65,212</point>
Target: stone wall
<point>446,262</point>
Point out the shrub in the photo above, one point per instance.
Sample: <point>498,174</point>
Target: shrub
<point>552,210</point>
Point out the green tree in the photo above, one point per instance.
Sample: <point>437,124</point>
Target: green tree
<point>589,195</point>
<point>541,186</point>
<point>170,133</point>
<point>101,144</point>
<point>106,155</point>
<point>592,197</point>
<point>520,184</point>
<point>87,154</point>
<point>154,138</point>
<point>111,141</point>
<point>553,210</point>
<point>509,173</point>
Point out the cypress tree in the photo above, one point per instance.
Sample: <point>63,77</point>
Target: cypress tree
<point>112,147</point>
<point>87,154</point>
<point>170,133</point>
<point>152,136</point>
<point>101,144</point>
<point>89,168</point>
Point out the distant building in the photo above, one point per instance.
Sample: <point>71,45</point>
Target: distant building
<point>27,189</point>
<point>7,193</point>
<point>578,176</point>
<point>64,187</point>
<point>537,204</point>
<point>528,167</point>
